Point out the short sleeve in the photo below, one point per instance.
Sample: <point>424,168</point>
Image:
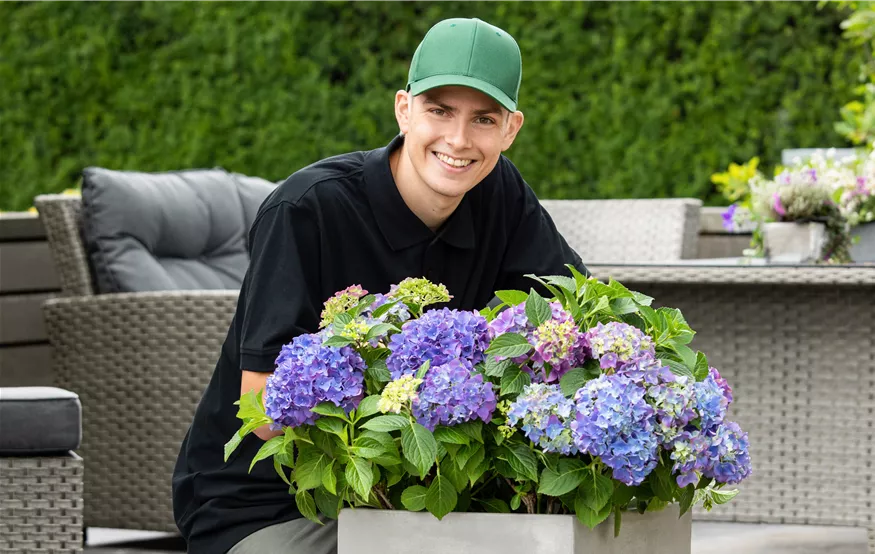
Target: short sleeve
<point>536,247</point>
<point>279,299</point>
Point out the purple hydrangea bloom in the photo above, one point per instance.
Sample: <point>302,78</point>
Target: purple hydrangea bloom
<point>439,336</point>
<point>729,217</point>
<point>728,455</point>
<point>712,397</point>
<point>614,422</point>
<point>688,451</point>
<point>308,373</point>
<point>558,343</point>
<point>545,415</point>
<point>450,395</point>
<point>616,344</point>
<point>396,314</point>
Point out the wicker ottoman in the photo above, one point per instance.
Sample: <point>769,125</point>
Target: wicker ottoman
<point>40,476</point>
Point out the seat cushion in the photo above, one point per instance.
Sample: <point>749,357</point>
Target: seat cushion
<point>178,230</point>
<point>39,420</point>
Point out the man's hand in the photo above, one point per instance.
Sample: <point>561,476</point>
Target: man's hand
<point>255,381</point>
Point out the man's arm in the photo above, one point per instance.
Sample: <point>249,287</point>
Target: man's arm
<point>255,381</point>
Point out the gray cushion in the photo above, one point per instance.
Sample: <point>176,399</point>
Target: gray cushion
<point>39,420</point>
<point>178,230</point>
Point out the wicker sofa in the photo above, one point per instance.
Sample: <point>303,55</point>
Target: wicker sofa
<point>139,361</point>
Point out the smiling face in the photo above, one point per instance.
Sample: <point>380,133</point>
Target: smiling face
<point>454,136</point>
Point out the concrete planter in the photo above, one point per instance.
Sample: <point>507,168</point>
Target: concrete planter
<point>364,531</point>
<point>794,242</point>
<point>864,249</point>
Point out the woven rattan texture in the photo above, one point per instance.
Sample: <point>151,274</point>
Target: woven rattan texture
<point>139,363</point>
<point>60,215</point>
<point>41,504</point>
<point>700,274</point>
<point>801,361</point>
<point>628,230</point>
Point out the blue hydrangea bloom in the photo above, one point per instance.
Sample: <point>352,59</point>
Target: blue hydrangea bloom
<point>439,336</point>
<point>308,373</point>
<point>614,422</point>
<point>450,395</point>
<point>397,314</point>
<point>728,455</point>
<point>545,415</point>
<point>713,397</point>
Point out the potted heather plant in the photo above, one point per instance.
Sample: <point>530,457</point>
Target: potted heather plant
<point>578,423</point>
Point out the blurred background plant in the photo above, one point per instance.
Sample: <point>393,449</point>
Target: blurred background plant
<point>858,116</point>
<point>621,99</point>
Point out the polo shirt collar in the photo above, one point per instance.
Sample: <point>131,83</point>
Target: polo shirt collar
<point>398,224</point>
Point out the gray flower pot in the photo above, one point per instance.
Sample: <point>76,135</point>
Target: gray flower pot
<point>864,249</point>
<point>364,531</point>
<point>794,242</point>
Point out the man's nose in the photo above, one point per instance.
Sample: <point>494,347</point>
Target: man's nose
<point>459,136</point>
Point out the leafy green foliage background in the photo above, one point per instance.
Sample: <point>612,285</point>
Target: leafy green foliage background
<point>621,99</point>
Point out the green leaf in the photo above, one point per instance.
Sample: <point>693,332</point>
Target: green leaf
<point>360,476</point>
<point>521,459</point>
<point>368,447</point>
<point>722,497</point>
<point>451,435</point>
<point>572,381</point>
<point>306,506</point>
<point>623,306</point>
<point>622,494</point>
<point>495,505</point>
<point>512,297</point>
<point>579,278</point>
<point>587,515</point>
<point>267,450</point>
<point>337,341</point>
<point>494,368</point>
<point>278,467</point>
<point>514,381</point>
<point>473,429</point>
<point>456,476</point>
<point>515,502</point>
<point>537,309</point>
<point>618,519</point>
<point>509,345</point>
<point>379,372</point>
<point>328,503</point>
<point>419,447</point>
<point>329,409</point>
<point>331,425</point>
<point>686,354</point>
<point>413,498</point>
<point>678,368</point>
<point>343,319</point>
<point>390,456</point>
<point>595,491</point>
<point>250,406</point>
<point>662,484</point>
<point>570,475</point>
<point>364,303</point>
<point>441,497</point>
<point>688,494</point>
<point>381,310</point>
<point>564,282</point>
<point>603,304</point>
<point>367,407</point>
<point>296,434</point>
<point>553,290</point>
<point>379,330</point>
<point>701,371</point>
<point>423,369</point>
<point>310,467</point>
<point>329,479</point>
<point>476,467</point>
<point>386,423</point>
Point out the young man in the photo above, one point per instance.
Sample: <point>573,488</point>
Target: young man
<point>439,201</point>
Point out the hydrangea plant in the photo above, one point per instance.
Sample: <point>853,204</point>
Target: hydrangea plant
<point>588,403</point>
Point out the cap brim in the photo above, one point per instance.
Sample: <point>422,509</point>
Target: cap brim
<point>436,81</point>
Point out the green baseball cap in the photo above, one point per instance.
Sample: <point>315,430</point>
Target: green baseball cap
<point>469,53</point>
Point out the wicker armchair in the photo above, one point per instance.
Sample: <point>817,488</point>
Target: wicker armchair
<point>646,230</point>
<point>139,362</point>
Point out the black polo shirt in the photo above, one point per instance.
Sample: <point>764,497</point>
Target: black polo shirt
<point>336,223</point>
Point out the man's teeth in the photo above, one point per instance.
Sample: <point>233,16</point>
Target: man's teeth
<point>452,161</point>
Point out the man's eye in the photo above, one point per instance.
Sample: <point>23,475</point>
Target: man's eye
<point>438,111</point>
<point>485,120</point>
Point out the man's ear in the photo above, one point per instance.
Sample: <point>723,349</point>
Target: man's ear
<point>403,107</point>
<point>511,128</point>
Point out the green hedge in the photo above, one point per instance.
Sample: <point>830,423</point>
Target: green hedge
<point>621,99</point>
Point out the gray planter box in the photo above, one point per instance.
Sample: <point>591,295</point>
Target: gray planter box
<point>864,249</point>
<point>794,242</point>
<point>364,531</point>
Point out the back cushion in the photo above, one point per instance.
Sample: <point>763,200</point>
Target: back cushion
<point>168,231</point>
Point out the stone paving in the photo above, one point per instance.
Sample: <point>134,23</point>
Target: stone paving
<point>708,538</point>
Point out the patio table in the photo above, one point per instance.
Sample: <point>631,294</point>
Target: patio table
<point>797,344</point>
